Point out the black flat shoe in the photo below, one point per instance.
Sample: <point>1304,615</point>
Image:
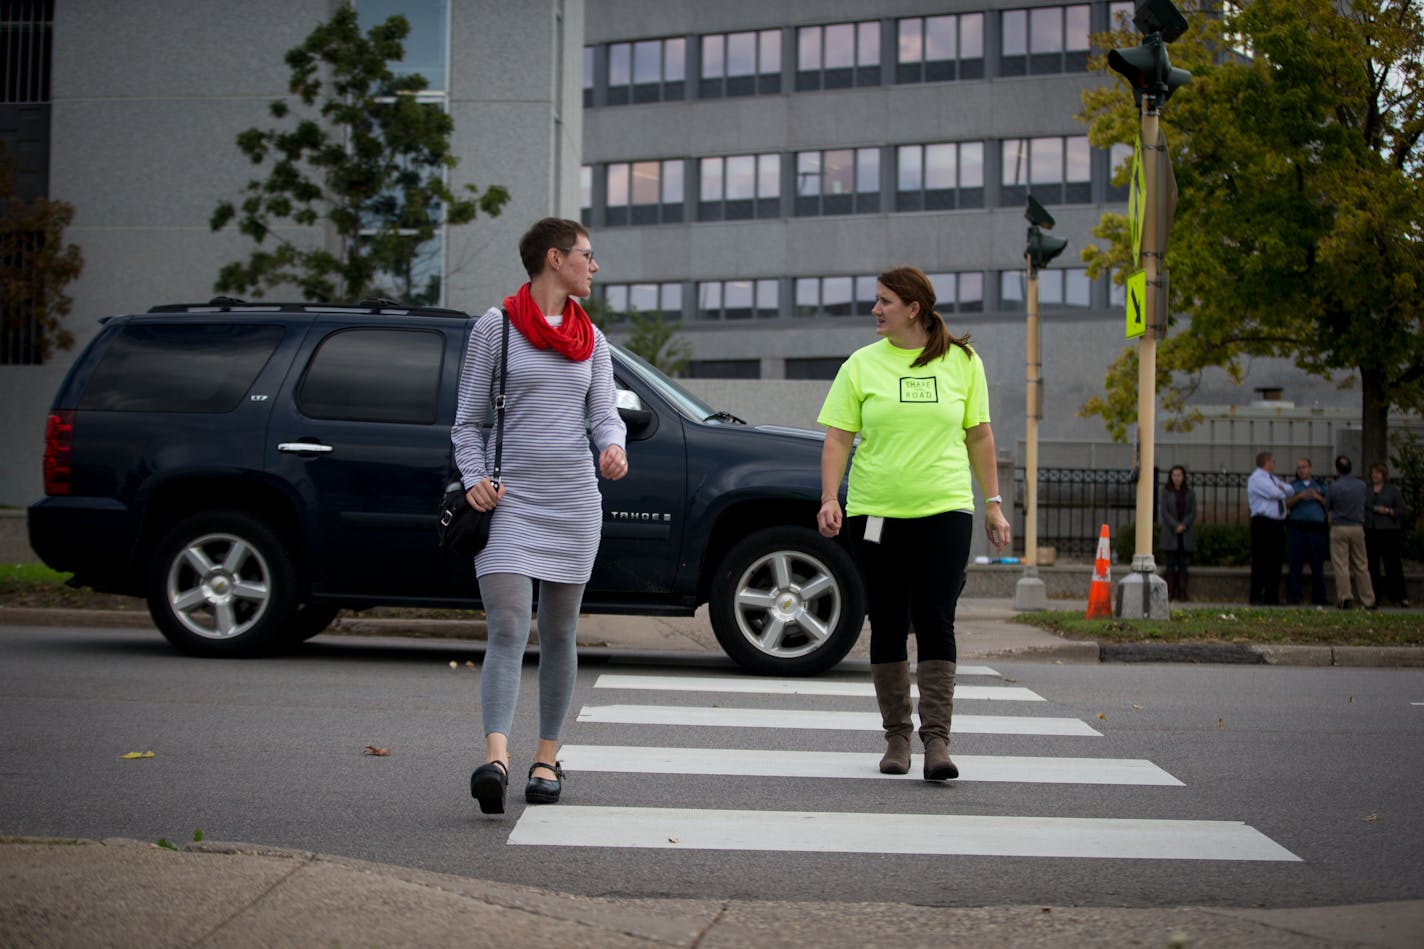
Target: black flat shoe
<point>542,790</point>
<point>487,786</point>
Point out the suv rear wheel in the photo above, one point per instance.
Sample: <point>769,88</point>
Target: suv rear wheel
<point>787,601</point>
<point>223,585</point>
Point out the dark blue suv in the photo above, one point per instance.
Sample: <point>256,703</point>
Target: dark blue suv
<point>253,468</point>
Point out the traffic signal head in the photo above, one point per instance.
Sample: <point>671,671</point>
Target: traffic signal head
<point>1148,70</point>
<point>1036,214</point>
<point>1042,248</point>
<point>1159,16</point>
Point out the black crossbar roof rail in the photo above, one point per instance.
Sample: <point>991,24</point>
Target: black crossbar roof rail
<point>233,305</point>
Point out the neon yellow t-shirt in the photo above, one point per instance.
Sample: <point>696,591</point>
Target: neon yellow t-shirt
<point>911,461</point>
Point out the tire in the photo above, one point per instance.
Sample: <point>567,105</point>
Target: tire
<point>787,601</point>
<point>222,585</point>
<point>309,620</point>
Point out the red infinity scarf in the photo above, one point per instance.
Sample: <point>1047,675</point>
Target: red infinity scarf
<point>573,339</point>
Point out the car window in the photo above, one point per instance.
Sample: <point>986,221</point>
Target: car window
<point>192,367</point>
<point>374,375</point>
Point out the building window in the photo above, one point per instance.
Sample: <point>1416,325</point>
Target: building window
<point>1119,156</point>
<point>838,56</point>
<point>838,181</point>
<point>1058,170</point>
<point>939,48</point>
<point>644,192</point>
<point>1044,40</point>
<point>586,195</point>
<point>834,296</point>
<point>739,187</point>
<point>724,369</point>
<point>814,367</point>
<point>958,292</point>
<point>738,300</point>
<point>589,52</point>
<point>623,299</point>
<point>645,71</point>
<point>740,64</point>
<point>1057,287</point>
<point>939,177</point>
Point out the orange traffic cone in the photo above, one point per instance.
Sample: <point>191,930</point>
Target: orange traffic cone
<point>1100,593</point>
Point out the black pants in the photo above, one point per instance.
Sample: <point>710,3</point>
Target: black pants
<point>1267,547</point>
<point>1382,550</point>
<point>1307,543</point>
<point>913,577</point>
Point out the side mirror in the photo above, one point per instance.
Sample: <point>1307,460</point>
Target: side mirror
<point>641,422</point>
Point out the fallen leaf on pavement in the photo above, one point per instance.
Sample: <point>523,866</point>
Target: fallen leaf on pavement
<point>1139,706</point>
<point>1102,716</point>
<point>1372,817</point>
<point>379,752</point>
<point>139,754</point>
<point>469,664</point>
<point>1221,724</point>
<point>453,664</point>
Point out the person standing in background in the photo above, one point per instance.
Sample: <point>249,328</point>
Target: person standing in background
<point>1267,496</point>
<point>1177,510</point>
<point>1307,535</point>
<point>1346,502</point>
<point>1384,533</point>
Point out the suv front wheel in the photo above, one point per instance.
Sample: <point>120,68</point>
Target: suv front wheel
<point>222,585</point>
<point>787,601</point>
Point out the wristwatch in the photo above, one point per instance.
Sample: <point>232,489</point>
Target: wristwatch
<point>996,499</point>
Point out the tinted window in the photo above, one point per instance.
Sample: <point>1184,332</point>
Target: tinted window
<point>201,367</point>
<point>374,375</point>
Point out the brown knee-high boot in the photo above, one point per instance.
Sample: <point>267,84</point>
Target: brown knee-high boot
<point>892,692</point>
<point>936,680</point>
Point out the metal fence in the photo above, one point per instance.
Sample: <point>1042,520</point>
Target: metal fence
<point>1074,503</point>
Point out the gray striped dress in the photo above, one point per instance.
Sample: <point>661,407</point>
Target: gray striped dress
<point>547,525</point>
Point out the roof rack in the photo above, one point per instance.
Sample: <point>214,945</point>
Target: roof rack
<point>370,305</point>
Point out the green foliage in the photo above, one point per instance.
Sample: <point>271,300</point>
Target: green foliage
<point>1406,468</point>
<point>1218,545</point>
<point>1242,625</point>
<point>1297,233</point>
<point>654,338</point>
<point>35,266</point>
<point>363,155</point>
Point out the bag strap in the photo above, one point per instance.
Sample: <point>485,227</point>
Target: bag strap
<point>499,399</point>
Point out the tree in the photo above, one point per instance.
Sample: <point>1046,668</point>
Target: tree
<point>1299,232</point>
<point>370,163</point>
<point>654,339</point>
<point>35,266</point>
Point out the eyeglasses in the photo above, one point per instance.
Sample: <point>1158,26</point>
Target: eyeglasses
<point>586,251</point>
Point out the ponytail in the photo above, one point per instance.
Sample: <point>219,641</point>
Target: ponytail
<point>940,340</point>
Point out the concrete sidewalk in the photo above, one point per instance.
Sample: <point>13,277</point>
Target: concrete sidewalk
<point>130,893</point>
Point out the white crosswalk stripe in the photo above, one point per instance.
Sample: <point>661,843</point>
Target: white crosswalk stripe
<point>744,685</point>
<point>765,763</point>
<point>727,717</point>
<point>817,832</point>
<point>782,831</point>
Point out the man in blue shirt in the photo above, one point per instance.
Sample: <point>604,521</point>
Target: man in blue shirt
<point>1307,535</point>
<point>1267,496</point>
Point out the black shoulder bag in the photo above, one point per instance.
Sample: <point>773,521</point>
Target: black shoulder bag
<point>460,527</point>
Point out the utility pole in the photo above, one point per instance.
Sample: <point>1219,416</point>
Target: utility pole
<point>1029,593</point>
<point>1142,594</point>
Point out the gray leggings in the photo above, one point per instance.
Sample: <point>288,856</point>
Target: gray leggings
<point>508,601</point>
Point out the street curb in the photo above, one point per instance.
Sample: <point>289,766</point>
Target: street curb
<point>1271,655</point>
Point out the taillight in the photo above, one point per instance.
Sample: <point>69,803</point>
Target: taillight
<point>59,452</point>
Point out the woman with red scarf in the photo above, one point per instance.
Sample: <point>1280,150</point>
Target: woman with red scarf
<point>548,509</point>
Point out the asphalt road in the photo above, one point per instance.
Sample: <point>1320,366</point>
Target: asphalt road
<point>1304,781</point>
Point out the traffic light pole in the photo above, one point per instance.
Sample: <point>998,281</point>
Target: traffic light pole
<point>1142,594</point>
<point>1030,593</point>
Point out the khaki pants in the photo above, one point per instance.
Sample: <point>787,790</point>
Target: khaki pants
<point>1347,559</point>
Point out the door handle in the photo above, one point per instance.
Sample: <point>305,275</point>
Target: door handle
<point>304,448</point>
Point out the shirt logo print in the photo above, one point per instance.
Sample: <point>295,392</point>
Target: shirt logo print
<point>923,389</point>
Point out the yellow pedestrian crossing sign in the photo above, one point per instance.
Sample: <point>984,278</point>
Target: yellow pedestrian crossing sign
<point>1137,200</point>
<point>1137,304</point>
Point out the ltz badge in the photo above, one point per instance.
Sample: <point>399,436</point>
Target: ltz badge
<point>918,389</point>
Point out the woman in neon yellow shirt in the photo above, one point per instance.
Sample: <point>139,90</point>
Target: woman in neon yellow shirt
<point>920,403</point>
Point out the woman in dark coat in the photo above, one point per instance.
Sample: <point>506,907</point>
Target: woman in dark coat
<point>1384,530</point>
<point>1177,511</point>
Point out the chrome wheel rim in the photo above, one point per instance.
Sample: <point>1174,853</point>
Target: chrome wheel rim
<point>788,604</point>
<point>219,586</point>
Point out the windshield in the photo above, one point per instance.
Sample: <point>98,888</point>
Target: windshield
<point>685,402</point>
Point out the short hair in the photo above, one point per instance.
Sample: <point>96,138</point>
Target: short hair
<point>1262,457</point>
<point>556,232</point>
<point>1342,464</point>
<point>1380,467</point>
